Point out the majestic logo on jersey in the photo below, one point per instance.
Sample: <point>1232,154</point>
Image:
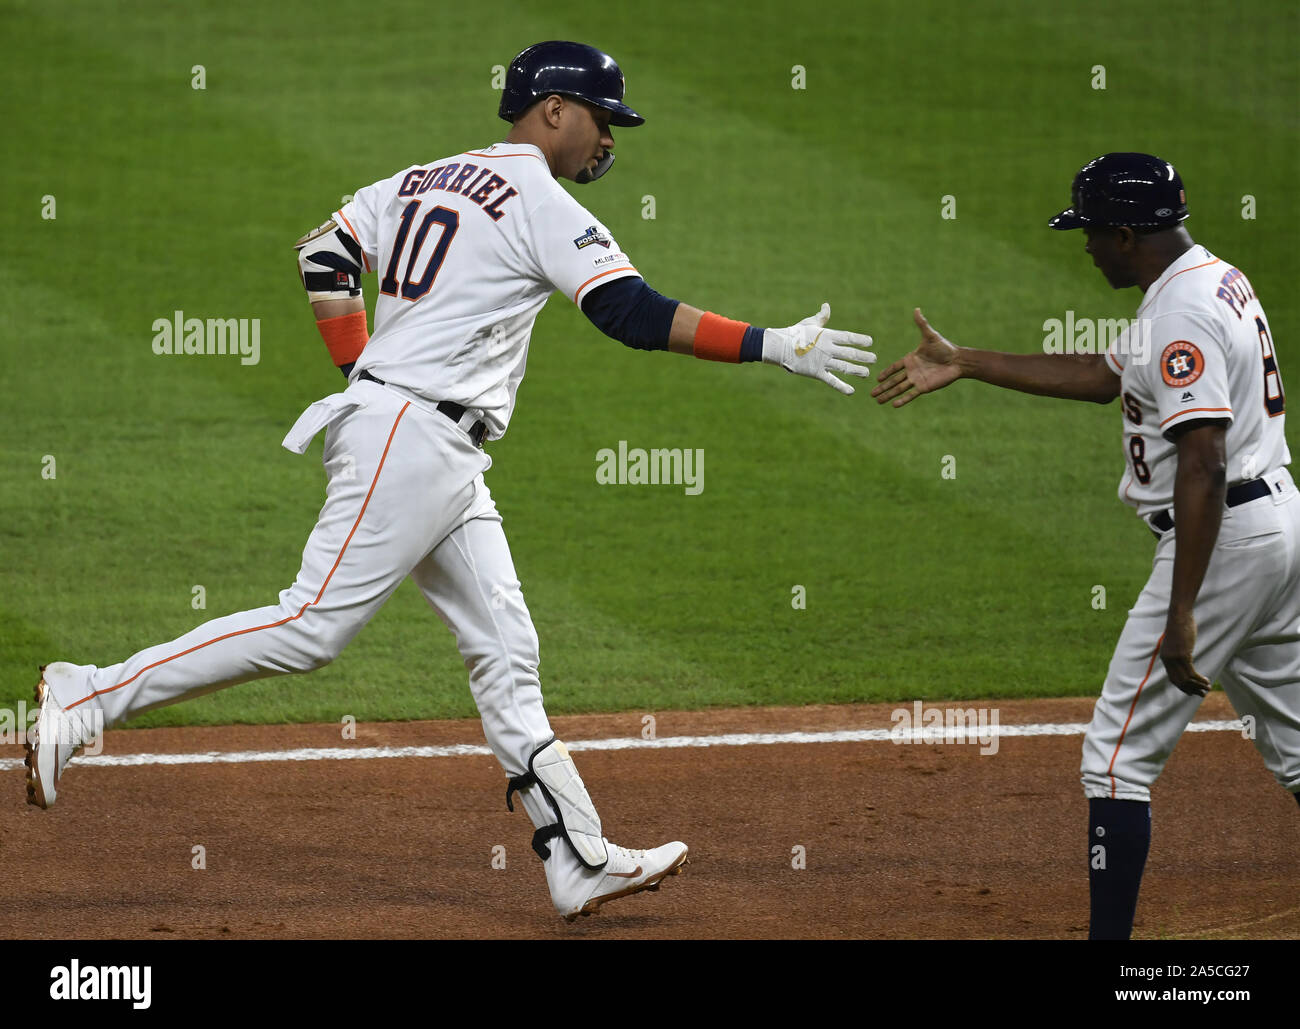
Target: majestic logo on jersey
<point>592,235</point>
<point>1187,397</point>
<point>1181,364</point>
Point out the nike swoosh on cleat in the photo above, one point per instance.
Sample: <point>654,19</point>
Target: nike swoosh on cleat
<point>625,875</point>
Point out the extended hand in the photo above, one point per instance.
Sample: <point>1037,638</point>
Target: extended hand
<point>929,367</point>
<point>809,348</point>
<point>1176,653</point>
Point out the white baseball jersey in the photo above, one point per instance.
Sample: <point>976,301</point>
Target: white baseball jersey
<point>1200,347</point>
<point>468,249</point>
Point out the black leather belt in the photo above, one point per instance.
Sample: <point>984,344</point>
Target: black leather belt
<point>452,410</point>
<point>1242,493</point>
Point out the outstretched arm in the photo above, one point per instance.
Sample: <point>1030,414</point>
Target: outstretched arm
<point>937,363</point>
<point>631,312</point>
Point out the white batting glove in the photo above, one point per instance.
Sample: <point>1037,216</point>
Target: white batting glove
<point>809,348</point>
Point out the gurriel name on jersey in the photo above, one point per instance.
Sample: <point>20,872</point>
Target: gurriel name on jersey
<point>461,178</point>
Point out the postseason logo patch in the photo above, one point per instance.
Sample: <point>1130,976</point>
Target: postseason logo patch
<point>592,235</point>
<point>1181,364</point>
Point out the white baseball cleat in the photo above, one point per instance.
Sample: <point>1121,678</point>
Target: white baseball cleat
<point>625,873</point>
<point>56,737</point>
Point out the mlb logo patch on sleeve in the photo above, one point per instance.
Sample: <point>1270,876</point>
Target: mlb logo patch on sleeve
<point>1181,364</point>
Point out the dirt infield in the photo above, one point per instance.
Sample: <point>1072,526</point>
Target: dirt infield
<point>916,841</point>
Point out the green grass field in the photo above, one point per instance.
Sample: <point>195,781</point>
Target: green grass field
<point>768,199</point>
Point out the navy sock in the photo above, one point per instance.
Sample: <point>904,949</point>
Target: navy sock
<point>1119,835</point>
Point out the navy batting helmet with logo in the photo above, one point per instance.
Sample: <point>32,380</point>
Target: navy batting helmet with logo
<point>570,69</point>
<point>1137,190</point>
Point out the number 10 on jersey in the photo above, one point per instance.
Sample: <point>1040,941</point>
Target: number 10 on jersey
<point>412,289</point>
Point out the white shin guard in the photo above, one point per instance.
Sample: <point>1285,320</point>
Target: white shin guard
<point>558,804</point>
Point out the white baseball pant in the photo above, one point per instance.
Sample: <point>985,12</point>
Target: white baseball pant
<point>405,497</point>
<point>1247,639</point>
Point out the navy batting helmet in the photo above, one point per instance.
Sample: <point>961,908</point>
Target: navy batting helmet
<point>570,69</point>
<point>1137,190</point>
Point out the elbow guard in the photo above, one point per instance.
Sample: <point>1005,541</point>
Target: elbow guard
<point>329,263</point>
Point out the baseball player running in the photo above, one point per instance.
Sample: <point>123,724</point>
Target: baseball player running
<point>1203,416</point>
<point>467,249</point>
